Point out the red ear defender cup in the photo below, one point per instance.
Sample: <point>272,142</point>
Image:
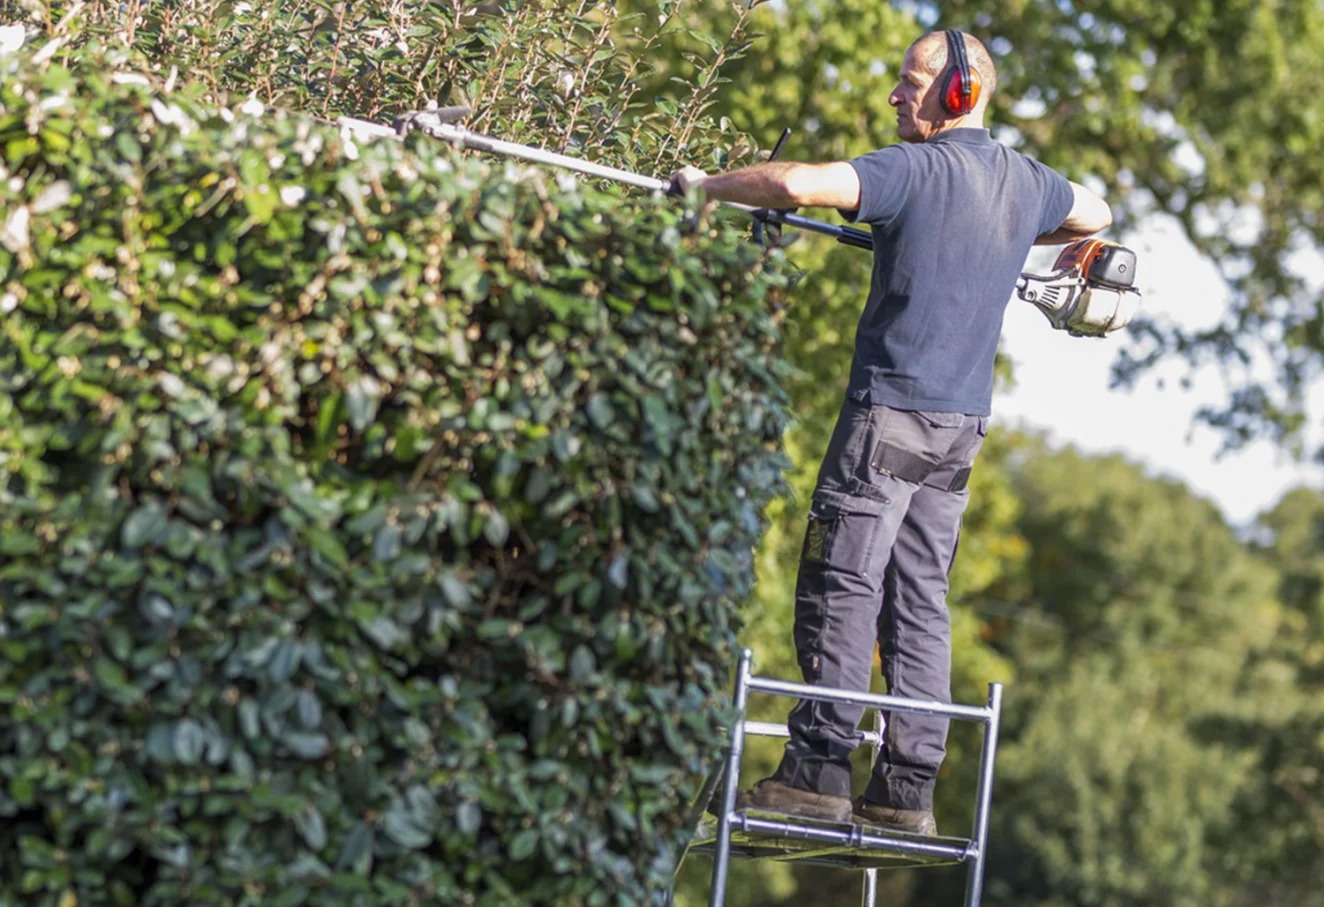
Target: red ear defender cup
<point>959,83</point>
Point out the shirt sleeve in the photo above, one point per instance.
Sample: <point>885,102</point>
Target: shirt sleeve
<point>1056,195</point>
<point>884,181</point>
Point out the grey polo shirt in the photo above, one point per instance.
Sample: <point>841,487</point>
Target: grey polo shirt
<point>953,220</point>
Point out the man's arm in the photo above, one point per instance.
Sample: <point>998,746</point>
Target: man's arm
<point>1089,214</point>
<point>781,184</point>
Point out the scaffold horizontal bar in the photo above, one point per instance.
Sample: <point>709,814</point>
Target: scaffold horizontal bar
<point>771,729</point>
<point>870,700</point>
<point>856,837</point>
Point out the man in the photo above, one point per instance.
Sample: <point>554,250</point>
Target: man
<point>953,216</point>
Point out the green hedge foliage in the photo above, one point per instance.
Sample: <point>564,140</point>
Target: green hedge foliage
<point>373,520</point>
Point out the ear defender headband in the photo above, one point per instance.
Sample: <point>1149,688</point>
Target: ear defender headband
<point>959,83</point>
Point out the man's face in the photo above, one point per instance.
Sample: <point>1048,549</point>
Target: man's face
<point>919,113</point>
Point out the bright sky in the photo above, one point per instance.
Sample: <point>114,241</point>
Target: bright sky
<point>1062,387</point>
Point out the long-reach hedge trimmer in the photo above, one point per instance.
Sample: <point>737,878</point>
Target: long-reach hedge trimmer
<point>1090,292</point>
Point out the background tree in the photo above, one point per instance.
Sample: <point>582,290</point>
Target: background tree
<point>1142,614</point>
<point>1278,835</point>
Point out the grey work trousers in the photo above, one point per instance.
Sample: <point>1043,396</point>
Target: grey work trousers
<point>882,535</point>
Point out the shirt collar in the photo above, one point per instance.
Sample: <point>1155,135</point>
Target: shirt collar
<point>973,135</point>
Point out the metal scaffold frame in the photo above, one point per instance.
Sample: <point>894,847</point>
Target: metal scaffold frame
<point>757,835</point>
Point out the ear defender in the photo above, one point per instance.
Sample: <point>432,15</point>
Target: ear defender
<point>959,83</point>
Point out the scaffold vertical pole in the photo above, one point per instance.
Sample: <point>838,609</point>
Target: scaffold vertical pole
<point>870,898</point>
<point>984,797</point>
<point>722,854</point>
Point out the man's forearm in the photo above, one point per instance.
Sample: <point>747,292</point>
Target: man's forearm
<point>1063,235</point>
<point>762,185</point>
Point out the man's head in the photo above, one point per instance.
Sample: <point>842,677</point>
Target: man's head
<point>917,97</point>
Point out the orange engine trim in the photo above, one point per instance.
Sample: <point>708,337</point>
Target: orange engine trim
<point>1081,255</point>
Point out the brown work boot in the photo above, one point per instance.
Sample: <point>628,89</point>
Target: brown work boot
<point>774,796</point>
<point>914,821</point>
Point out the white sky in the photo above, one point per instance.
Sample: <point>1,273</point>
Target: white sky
<point>1062,387</point>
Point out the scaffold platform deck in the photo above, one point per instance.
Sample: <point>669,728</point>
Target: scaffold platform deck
<point>778,838</point>
<point>775,837</point>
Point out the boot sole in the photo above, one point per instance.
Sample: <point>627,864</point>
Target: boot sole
<point>874,823</point>
<point>799,811</point>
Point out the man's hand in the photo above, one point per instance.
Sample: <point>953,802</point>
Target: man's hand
<point>684,179</point>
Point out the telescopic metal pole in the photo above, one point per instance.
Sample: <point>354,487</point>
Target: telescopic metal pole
<point>436,124</point>
<point>437,128</point>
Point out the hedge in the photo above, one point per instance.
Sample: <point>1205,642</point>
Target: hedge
<point>373,520</point>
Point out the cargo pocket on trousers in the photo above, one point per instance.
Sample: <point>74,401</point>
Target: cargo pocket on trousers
<point>961,479</point>
<point>839,540</point>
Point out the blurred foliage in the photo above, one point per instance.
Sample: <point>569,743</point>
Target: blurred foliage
<point>1147,611</point>
<point>1279,833</point>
